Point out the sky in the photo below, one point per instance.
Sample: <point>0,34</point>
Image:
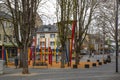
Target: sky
<point>47,11</point>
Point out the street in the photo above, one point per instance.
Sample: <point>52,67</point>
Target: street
<point>59,40</point>
<point>103,72</point>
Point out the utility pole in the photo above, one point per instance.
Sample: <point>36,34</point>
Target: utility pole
<point>103,41</point>
<point>116,34</point>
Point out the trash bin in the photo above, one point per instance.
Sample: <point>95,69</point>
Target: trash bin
<point>75,66</point>
<point>108,59</point>
<point>1,66</point>
<point>16,62</point>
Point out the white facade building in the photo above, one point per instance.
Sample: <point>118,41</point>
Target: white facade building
<point>46,36</point>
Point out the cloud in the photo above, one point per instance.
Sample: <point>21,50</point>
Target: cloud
<point>47,12</point>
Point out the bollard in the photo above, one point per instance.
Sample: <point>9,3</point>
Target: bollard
<point>16,62</point>
<point>88,60</point>
<point>75,66</point>
<point>98,60</point>
<point>100,63</point>
<point>87,66</point>
<point>94,64</point>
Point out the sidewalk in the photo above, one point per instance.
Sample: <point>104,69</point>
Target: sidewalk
<point>103,72</point>
<point>82,63</point>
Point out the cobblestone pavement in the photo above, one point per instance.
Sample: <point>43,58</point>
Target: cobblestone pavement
<point>103,72</point>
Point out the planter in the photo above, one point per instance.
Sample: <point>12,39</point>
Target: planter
<point>94,64</point>
<point>87,66</point>
<point>88,60</point>
<point>98,60</point>
<point>75,66</point>
<point>104,61</point>
<point>100,63</point>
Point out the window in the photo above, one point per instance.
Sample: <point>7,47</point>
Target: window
<point>52,43</point>
<point>10,38</point>
<point>10,25</point>
<point>42,44</point>
<point>5,38</point>
<point>14,39</point>
<point>46,29</point>
<point>5,24</point>
<point>0,37</point>
<point>42,35</point>
<point>52,35</point>
<point>13,36</point>
<point>38,40</point>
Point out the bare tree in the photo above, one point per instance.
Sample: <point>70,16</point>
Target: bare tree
<point>106,17</point>
<point>80,11</point>
<point>23,14</point>
<point>64,19</point>
<point>84,10</point>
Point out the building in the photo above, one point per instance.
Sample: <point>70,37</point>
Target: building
<point>4,40</point>
<point>38,21</point>
<point>99,44</point>
<point>5,19</point>
<point>47,36</point>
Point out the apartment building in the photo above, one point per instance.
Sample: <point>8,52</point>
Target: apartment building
<point>5,21</point>
<point>4,41</point>
<point>46,36</point>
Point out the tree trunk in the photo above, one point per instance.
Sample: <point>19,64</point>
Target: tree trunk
<point>25,70</point>
<point>25,60</point>
<point>77,57</point>
<point>62,58</point>
<point>20,59</point>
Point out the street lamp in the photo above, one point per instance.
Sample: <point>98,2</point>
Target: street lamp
<point>116,33</point>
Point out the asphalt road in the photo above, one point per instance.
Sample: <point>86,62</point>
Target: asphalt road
<point>103,72</point>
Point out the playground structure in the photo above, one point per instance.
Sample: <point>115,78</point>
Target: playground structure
<point>50,58</point>
<point>46,52</point>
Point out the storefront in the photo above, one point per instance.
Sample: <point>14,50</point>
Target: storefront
<point>10,49</point>
<point>0,51</point>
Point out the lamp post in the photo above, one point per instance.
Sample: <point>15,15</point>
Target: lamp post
<point>116,34</point>
<point>103,42</point>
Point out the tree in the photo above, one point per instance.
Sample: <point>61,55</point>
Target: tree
<point>64,19</point>
<point>23,14</point>
<point>84,12</point>
<point>105,19</point>
<point>80,11</point>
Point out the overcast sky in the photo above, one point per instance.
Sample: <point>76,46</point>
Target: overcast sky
<point>47,11</point>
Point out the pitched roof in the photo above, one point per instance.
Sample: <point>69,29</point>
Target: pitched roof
<point>51,29</point>
<point>4,15</point>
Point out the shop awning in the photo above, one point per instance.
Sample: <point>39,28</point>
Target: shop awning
<point>9,44</point>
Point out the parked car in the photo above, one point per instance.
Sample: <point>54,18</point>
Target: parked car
<point>84,52</point>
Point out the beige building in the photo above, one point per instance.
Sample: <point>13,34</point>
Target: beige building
<point>4,40</point>
<point>5,18</point>
<point>38,21</point>
<point>46,36</point>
